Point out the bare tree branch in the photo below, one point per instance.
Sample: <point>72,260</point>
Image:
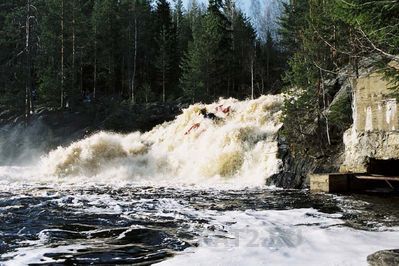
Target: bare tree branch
<point>386,54</point>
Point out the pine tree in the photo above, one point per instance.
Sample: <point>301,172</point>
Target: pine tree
<point>139,48</point>
<point>16,72</point>
<point>192,80</point>
<point>163,62</point>
<point>80,41</point>
<point>312,60</point>
<point>129,49</point>
<point>166,44</point>
<point>106,28</point>
<point>244,37</point>
<point>63,42</point>
<point>375,23</point>
<point>183,35</point>
<point>218,37</point>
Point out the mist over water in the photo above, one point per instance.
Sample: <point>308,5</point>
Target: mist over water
<point>20,145</point>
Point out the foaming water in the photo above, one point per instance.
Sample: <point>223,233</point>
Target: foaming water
<point>104,225</point>
<point>294,237</point>
<point>240,148</point>
<point>169,197</point>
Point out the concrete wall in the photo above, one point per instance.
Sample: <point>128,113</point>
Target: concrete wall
<point>375,132</point>
<point>374,107</point>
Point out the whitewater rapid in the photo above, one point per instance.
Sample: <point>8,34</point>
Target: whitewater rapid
<point>175,197</point>
<point>104,225</point>
<point>240,147</point>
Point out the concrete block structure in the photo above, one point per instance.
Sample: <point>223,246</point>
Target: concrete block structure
<point>372,144</point>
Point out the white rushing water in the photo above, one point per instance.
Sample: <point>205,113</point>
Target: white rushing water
<point>303,236</point>
<point>240,148</point>
<point>101,182</point>
<point>289,237</point>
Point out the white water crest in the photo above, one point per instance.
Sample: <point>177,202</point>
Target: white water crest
<point>303,237</point>
<point>241,148</point>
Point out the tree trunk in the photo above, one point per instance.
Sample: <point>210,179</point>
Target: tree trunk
<point>228,85</point>
<point>263,84</point>
<point>62,57</point>
<point>122,78</point>
<point>163,85</point>
<point>111,71</point>
<point>81,72</point>
<point>164,66</point>
<point>134,59</point>
<point>252,78</point>
<point>268,73</point>
<point>325,108</point>
<point>95,64</point>
<point>73,45</point>
<point>129,52</point>
<point>28,85</point>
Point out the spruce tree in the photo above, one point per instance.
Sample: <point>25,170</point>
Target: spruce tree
<point>166,45</point>
<point>15,75</point>
<point>244,37</point>
<point>193,64</point>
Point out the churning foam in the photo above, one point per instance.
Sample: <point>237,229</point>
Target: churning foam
<point>301,237</point>
<point>241,146</point>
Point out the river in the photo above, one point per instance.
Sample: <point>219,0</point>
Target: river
<point>176,196</point>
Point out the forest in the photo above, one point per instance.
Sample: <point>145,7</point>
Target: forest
<point>69,54</point>
<point>326,41</point>
<point>62,53</point>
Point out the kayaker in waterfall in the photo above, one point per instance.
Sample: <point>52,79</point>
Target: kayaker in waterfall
<point>195,126</point>
<point>224,110</point>
<point>208,115</point>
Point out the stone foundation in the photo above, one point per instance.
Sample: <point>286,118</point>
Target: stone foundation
<point>360,147</point>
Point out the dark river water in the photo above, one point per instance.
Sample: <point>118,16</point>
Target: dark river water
<point>68,225</point>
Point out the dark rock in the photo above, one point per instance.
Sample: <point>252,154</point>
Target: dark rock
<point>384,258</point>
<point>3,246</point>
<point>294,171</point>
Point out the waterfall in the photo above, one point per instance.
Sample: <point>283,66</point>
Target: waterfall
<point>239,146</point>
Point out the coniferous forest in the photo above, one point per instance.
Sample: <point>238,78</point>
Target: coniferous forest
<point>60,53</point>
<point>325,42</point>
<point>68,54</point>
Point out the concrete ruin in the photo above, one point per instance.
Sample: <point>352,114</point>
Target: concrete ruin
<point>372,143</point>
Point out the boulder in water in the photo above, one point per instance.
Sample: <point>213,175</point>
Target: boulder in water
<point>384,258</point>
